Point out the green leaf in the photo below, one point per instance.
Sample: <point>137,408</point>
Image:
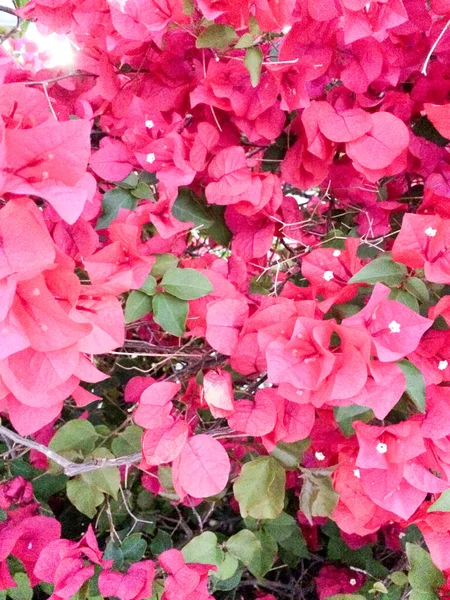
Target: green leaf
<point>346,415</point>
<point>106,480</point>
<point>382,269</point>
<point>186,284</point>
<point>257,550</point>
<point>232,582</point>
<point>138,305</point>
<point>188,7</point>
<point>260,488</point>
<point>134,547</point>
<point>149,286</point>
<point>417,288</point>
<point>47,485</point>
<point>280,528</point>
<point>84,497</point>
<point>188,209</point>
<point>161,542</point>
<point>3,515</point>
<point>253,61</point>
<point>347,597</point>
<point>203,549</point>
<point>114,551</point>
<point>261,284</point>
<point>399,578</point>
<point>415,383</point>
<point>423,574</point>
<point>289,455</point>
<point>142,190</point>
<point>219,231</point>
<point>112,201</point>
<point>226,569</point>
<point>170,313</point>
<point>245,41</point>
<point>318,498</point>
<point>78,435</point>
<point>216,36</point>
<point>442,504</point>
<point>163,263</point>
<point>127,442</point>
<point>130,181</point>
<point>405,298</point>
<point>23,591</point>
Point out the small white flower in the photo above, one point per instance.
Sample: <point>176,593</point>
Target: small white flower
<point>328,275</point>
<point>352,581</point>
<point>430,232</point>
<point>394,327</point>
<point>337,253</point>
<point>357,473</point>
<point>382,448</point>
<point>151,158</point>
<point>149,123</point>
<point>443,364</point>
<point>320,455</point>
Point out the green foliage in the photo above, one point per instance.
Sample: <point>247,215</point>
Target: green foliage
<point>113,200</point>
<point>382,269</point>
<point>253,61</point>
<point>186,284</point>
<point>256,550</point>
<point>260,488</point>
<point>415,384</point>
<point>346,415</point>
<point>170,313</point>
<point>289,455</point>
<point>138,305</point>
<point>318,497</point>
<point>134,547</point>
<point>423,576</point>
<point>163,263</point>
<point>216,36</point>
<point>75,438</point>
<point>442,504</point>
<point>105,480</point>
<point>85,497</point>
<point>128,441</point>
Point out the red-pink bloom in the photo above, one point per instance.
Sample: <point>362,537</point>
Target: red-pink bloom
<point>184,581</point>
<point>67,564</point>
<point>395,329</point>
<point>135,584</point>
<point>218,393</point>
<point>26,539</point>
<point>333,580</point>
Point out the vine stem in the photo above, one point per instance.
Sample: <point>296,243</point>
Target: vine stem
<point>71,469</point>
<point>433,48</point>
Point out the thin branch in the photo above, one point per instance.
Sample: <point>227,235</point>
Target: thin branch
<point>10,11</point>
<point>59,78</point>
<point>57,458</point>
<point>71,468</point>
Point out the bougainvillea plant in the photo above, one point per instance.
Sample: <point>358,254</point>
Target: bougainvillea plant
<point>225,301</point>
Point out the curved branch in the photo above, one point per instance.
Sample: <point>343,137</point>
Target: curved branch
<point>10,11</point>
